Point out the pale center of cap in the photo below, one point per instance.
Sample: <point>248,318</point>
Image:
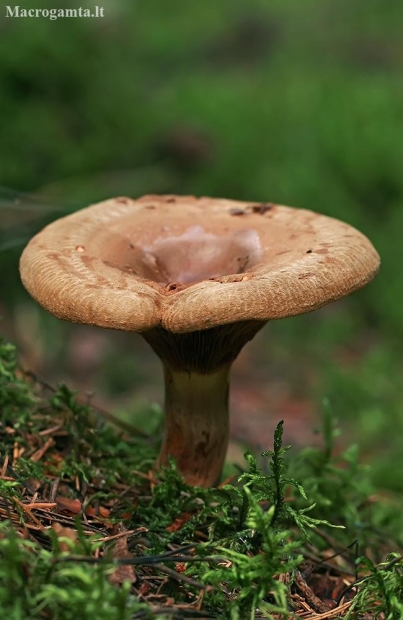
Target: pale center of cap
<point>189,257</point>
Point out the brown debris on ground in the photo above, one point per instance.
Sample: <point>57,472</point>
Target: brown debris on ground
<point>322,588</point>
<point>317,591</point>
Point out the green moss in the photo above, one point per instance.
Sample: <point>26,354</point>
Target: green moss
<point>234,542</point>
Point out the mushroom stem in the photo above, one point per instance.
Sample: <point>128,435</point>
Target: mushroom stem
<point>196,367</point>
<point>197,425</point>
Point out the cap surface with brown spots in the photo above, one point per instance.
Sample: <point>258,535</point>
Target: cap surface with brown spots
<point>186,263</point>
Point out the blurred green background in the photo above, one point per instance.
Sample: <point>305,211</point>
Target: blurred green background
<point>293,102</point>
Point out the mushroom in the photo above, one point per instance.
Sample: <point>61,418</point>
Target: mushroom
<point>197,278</point>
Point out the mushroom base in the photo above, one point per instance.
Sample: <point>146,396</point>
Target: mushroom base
<point>197,425</point>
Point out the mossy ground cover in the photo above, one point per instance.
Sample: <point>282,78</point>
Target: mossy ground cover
<point>89,528</point>
<point>294,102</point>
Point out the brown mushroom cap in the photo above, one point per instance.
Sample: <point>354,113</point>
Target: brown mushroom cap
<point>187,264</point>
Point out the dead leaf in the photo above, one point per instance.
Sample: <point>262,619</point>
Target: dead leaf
<point>123,572</point>
<point>72,505</point>
<point>63,533</point>
<point>100,511</point>
<point>179,522</point>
